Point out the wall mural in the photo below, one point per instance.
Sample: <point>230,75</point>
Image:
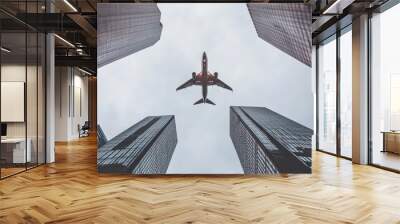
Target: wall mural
<point>204,88</point>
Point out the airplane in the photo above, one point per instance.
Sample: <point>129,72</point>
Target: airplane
<point>204,79</point>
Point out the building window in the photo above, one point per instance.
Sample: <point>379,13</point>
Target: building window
<point>385,89</point>
<point>346,92</point>
<point>327,95</point>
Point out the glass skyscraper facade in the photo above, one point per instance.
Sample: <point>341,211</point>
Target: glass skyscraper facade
<point>145,148</point>
<point>285,26</point>
<point>101,137</point>
<point>124,29</point>
<point>269,143</point>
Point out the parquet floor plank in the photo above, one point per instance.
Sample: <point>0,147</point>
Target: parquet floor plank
<point>71,191</point>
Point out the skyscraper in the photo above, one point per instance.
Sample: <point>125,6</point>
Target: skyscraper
<point>287,26</point>
<point>101,137</point>
<point>144,148</point>
<point>269,143</point>
<point>124,29</point>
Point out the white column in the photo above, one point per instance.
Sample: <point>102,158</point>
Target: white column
<point>50,93</point>
<point>313,84</point>
<point>360,90</point>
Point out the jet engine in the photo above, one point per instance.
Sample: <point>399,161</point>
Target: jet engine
<point>194,75</point>
<point>216,75</point>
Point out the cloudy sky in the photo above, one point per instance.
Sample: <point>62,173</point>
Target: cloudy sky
<point>144,83</point>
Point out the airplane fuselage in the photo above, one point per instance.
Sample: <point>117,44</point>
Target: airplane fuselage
<point>204,76</point>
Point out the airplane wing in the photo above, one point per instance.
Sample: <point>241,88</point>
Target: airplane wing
<point>219,83</point>
<point>188,83</point>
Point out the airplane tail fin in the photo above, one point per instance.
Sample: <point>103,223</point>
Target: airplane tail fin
<point>209,101</point>
<point>204,101</point>
<point>199,101</point>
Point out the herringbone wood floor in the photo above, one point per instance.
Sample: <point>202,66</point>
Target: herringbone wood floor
<point>71,191</point>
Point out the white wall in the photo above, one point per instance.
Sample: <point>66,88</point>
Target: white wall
<point>79,117</point>
<point>69,82</point>
<point>33,126</point>
<point>16,73</point>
